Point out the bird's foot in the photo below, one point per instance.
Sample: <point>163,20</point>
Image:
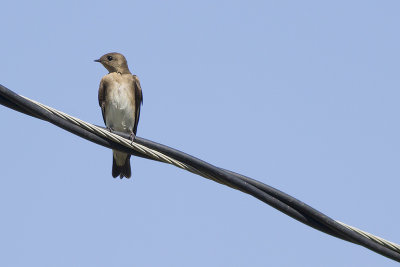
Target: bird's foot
<point>132,137</point>
<point>110,129</point>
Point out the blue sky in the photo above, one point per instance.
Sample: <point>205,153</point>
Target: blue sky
<point>301,95</point>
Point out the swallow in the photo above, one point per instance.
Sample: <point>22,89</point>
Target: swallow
<point>120,99</point>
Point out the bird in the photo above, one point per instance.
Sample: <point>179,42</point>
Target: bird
<point>120,98</point>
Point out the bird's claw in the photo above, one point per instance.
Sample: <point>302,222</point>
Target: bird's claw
<point>132,137</point>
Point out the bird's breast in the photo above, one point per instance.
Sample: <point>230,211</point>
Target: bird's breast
<point>120,108</point>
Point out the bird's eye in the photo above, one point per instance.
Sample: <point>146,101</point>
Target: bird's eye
<point>110,58</point>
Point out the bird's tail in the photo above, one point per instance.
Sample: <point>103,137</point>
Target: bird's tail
<point>122,171</point>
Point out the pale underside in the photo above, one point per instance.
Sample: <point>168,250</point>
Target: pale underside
<point>120,108</point>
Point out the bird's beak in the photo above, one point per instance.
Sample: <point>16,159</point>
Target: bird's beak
<point>97,60</point>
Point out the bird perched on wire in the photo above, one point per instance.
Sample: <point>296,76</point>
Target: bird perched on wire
<point>120,98</point>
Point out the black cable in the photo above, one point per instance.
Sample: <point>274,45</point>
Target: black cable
<point>31,108</point>
<point>279,200</point>
<point>276,203</point>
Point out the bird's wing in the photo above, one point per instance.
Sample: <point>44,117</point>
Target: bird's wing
<point>138,100</point>
<point>102,98</point>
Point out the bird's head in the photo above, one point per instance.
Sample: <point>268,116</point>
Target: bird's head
<point>114,62</point>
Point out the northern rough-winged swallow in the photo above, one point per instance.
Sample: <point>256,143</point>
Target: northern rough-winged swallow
<point>120,97</point>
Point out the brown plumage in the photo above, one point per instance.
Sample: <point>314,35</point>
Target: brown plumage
<point>120,98</point>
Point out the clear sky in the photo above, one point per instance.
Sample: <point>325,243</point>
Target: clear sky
<point>301,95</point>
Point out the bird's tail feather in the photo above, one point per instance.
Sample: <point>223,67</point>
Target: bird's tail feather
<point>122,171</point>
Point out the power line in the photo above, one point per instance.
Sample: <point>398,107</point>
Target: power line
<point>152,150</point>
